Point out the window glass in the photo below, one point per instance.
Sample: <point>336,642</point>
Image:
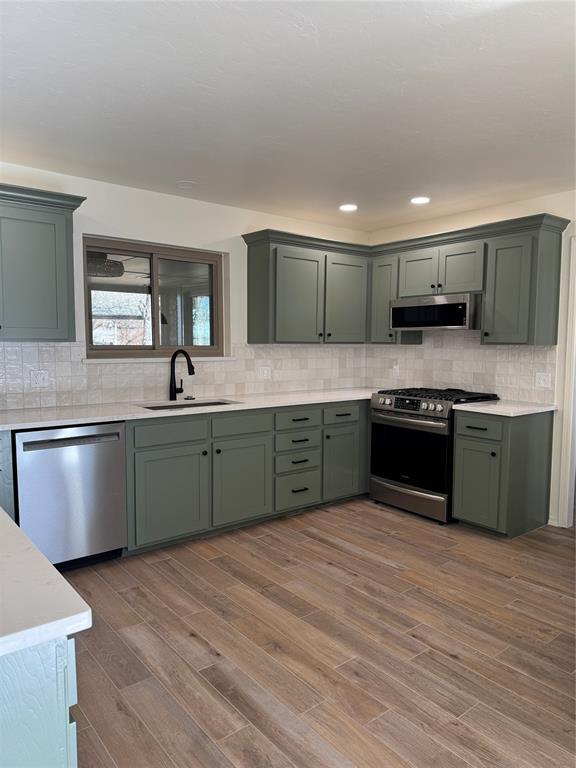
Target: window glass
<point>185,290</point>
<point>119,290</point>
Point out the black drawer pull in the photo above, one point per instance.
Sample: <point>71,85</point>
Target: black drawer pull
<point>300,461</point>
<point>302,440</point>
<point>302,418</point>
<point>343,414</point>
<point>300,490</point>
<point>479,429</point>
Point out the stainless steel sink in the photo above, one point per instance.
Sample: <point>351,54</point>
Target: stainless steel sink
<point>181,405</point>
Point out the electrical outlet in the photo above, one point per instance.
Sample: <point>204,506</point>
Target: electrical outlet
<point>264,372</point>
<point>38,378</point>
<point>543,381</point>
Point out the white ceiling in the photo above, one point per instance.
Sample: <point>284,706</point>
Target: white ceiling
<point>295,107</point>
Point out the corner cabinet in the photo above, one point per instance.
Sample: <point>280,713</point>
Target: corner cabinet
<point>502,471</point>
<point>36,265</point>
<point>384,289</point>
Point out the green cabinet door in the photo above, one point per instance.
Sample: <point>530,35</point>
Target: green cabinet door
<point>384,290</point>
<point>507,298</point>
<point>461,267</point>
<point>346,298</point>
<point>172,492</point>
<point>418,272</point>
<point>299,294</point>
<point>36,280</point>
<point>477,482</point>
<point>243,479</point>
<point>341,464</point>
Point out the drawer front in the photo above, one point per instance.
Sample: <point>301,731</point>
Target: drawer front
<point>292,441</point>
<point>339,414</point>
<point>293,462</point>
<point>476,426</point>
<point>243,424</point>
<point>299,490</point>
<point>164,432</point>
<point>298,419</point>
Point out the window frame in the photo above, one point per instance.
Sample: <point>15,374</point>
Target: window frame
<point>155,251</point>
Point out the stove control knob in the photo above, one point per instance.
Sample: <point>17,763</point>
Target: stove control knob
<point>424,406</point>
<point>387,401</point>
<point>380,401</point>
<point>431,406</point>
<point>439,407</point>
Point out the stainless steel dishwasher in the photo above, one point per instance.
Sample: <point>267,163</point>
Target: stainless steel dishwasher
<point>72,489</point>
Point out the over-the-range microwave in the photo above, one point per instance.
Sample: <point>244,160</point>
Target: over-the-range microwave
<point>458,311</point>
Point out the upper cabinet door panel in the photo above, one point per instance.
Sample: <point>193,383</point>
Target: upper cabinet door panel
<point>35,301</point>
<point>346,298</point>
<point>461,268</point>
<point>418,272</point>
<point>384,289</point>
<point>299,294</point>
<point>507,298</point>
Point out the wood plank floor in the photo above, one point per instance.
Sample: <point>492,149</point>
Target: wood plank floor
<point>351,635</point>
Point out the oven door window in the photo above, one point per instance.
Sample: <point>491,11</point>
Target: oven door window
<point>411,457</point>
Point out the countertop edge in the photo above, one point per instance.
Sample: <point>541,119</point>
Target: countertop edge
<point>508,409</point>
<point>32,636</point>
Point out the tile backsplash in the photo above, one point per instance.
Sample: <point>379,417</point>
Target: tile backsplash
<point>44,375</point>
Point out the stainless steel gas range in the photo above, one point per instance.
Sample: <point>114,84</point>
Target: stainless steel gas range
<point>411,455</point>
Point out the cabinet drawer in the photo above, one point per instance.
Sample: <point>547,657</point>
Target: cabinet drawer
<point>475,426</point>
<point>298,419</point>
<point>338,414</point>
<point>164,432</point>
<point>291,441</point>
<point>244,424</point>
<point>298,490</point>
<point>292,462</point>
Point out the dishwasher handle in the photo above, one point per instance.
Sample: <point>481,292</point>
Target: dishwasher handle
<point>70,442</point>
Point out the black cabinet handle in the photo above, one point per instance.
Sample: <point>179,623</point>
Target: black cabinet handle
<point>391,335</point>
<point>343,414</point>
<point>432,285</point>
<point>218,450</point>
<point>328,437</point>
<point>300,461</point>
<point>302,418</point>
<point>204,453</point>
<point>479,429</point>
<point>299,490</point>
<point>439,285</point>
<point>320,334</point>
<point>328,334</point>
<point>302,440</point>
<point>486,333</point>
<point>492,453</point>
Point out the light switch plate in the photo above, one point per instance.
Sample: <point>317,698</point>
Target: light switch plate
<point>543,380</point>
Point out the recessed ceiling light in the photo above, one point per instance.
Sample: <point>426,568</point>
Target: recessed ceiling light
<point>186,184</point>
<point>420,200</point>
<point>348,207</point>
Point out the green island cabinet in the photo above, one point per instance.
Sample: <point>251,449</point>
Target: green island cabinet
<point>502,471</point>
<point>36,265</point>
<point>194,474</point>
<point>309,290</point>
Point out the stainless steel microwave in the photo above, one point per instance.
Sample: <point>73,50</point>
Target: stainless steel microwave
<point>458,311</point>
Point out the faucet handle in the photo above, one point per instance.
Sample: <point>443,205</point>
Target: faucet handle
<point>180,389</point>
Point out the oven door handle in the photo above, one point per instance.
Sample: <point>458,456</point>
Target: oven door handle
<point>422,424</point>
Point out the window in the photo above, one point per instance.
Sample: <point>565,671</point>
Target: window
<point>145,299</point>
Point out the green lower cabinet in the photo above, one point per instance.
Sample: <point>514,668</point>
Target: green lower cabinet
<point>477,482</point>
<point>243,479</point>
<point>341,470</point>
<point>172,492</point>
<point>37,689</point>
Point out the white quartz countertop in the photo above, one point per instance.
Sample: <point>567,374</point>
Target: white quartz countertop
<point>505,408</point>
<point>33,418</point>
<point>37,604</point>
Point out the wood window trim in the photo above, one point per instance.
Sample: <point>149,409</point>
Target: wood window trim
<point>155,251</point>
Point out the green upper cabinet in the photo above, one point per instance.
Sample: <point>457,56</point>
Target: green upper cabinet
<point>346,298</point>
<point>507,300</point>
<point>243,479</point>
<point>36,265</point>
<point>384,290</point>
<point>418,272</point>
<point>461,268</point>
<point>171,492</point>
<point>300,275</point>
